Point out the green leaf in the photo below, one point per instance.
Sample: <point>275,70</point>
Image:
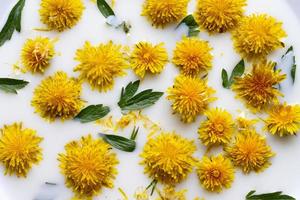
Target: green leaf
<point>134,133</point>
<point>104,8</point>
<point>13,22</point>
<point>268,196</point>
<point>129,100</point>
<point>225,81</point>
<point>119,142</point>
<point>12,85</point>
<point>92,113</point>
<point>237,71</point>
<point>294,66</point>
<point>192,25</point>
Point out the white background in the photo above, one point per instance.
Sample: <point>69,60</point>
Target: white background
<point>284,174</point>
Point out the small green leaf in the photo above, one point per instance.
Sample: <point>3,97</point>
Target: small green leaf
<point>12,85</point>
<point>237,71</point>
<point>225,81</point>
<point>134,133</point>
<point>13,22</point>
<point>92,113</point>
<point>104,8</point>
<point>129,100</point>
<point>192,25</point>
<point>268,196</point>
<point>119,142</point>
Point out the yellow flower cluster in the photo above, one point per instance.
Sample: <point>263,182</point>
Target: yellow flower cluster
<point>250,151</point>
<point>193,56</point>
<point>168,158</point>
<point>215,173</point>
<point>257,36</point>
<point>217,129</point>
<point>190,97</point>
<point>37,54</point>
<point>218,16</point>
<point>258,88</point>
<point>19,149</point>
<point>99,65</point>
<point>88,165</point>
<point>161,13</point>
<point>148,58</point>
<point>57,96</point>
<point>61,14</point>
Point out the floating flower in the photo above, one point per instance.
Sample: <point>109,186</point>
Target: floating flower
<point>169,193</point>
<point>148,58</point>
<point>37,54</point>
<point>57,96</point>
<point>258,88</point>
<point>193,56</point>
<point>217,128</point>
<point>88,165</point>
<point>19,149</point>
<point>283,120</point>
<point>215,173</point>
<point>218,16</point>
<point>99,65</point>
<point>190,97</point>
<point>161,13</point>
<point>61,14</point>
<point>257,36</point>
<point>250,151</point>
<point>168,158</point>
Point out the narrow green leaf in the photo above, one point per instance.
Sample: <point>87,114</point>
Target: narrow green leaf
<point>13,22</point>
<point>92,113</point>
<point>268,196</point>
<point>119,142</point>
<point>12,85</point>
<point>192,25</point>
<point>293,67</point>
<point>104,8</point>
<point>129,100</point>
<point>134,133</point>
<point>238,71</point>
<point>225,81</point>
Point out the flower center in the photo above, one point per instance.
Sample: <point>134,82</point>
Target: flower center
<point>219,127</point>
<point>215,173</point>
<point>283,113</point>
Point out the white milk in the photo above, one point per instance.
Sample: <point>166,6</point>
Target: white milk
<point>283,175</point>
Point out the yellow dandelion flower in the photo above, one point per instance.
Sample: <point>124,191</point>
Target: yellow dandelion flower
<point>99,65</point>
<point>61,14</point>
<point>190,97</point>
<point>258,88</point>
<point>283,120</point>
<point>168,158</point>
<point>244,123</point>
<point>218,16</point>
<point>217,128</point>
<point>148,58</point>
<point>19,149</point>
<point>161,13</point>
<point>215,173</point>
<point>37,53</point>
<point>250,151</point>
<point>257,36</point>
<point>88,165</point>
<point>57,96</point>
<point>193,56</point>
<point>169,193</point>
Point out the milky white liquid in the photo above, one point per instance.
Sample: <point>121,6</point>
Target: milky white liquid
<point>283,175</point>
